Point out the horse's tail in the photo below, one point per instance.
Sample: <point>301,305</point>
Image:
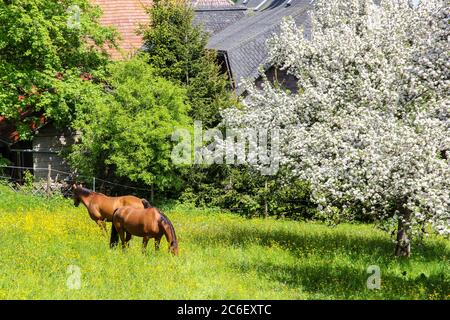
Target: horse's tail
<point>169,230</point>
<point>114,240</point>
<point>146,204</point>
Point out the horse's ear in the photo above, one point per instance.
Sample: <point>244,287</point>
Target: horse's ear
<point>74,186</point>
<point>73,176</point>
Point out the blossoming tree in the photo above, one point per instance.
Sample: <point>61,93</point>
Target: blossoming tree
<point>369,126</point>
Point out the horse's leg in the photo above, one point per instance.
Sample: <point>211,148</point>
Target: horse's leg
<point>114,240</point>
<point>127,238</point>
<point>157,242</point>
<point>144,244</point>
<point>122,237</point>
<point>102,225</point>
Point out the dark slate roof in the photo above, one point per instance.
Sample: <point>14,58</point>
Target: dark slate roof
<point>250,3</point>
<point>244,42</point>
<point>212,3</point>
<point>216,19</point>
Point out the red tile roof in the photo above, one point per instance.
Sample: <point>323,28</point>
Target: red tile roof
<point>128,15</point>
<point>125,16</point>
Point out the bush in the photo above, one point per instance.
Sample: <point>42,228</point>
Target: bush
<point>245,191</point>
<point>126,130</point>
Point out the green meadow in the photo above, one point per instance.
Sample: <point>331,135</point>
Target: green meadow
<point>47,244</point>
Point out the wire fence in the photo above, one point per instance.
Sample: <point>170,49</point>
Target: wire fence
<point>58,180</point>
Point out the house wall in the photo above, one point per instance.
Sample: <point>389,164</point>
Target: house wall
<point>47,143</point>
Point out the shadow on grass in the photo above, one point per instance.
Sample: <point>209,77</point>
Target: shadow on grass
<point>344,282</point>
<point>302,244</point>
<point>337,267</point>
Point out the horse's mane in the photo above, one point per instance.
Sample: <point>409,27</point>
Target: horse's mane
<point>170,225</point>
<point>84,191</point>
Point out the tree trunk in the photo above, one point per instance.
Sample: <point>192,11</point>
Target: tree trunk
<point>403,248</point>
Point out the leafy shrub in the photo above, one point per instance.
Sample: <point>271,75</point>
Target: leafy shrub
<point>245,191</point>
<point>125,131</point>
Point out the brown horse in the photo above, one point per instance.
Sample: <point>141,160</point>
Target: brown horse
<point>147,223</point>
<point>101,207</point>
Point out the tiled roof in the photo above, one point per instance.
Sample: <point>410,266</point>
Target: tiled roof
<point>126,16</point>
<point>212,3</point>
<point>244,42</point>
<point>250,3</point>
<point>216,18</point>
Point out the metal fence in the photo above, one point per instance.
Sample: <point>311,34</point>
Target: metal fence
<point>60,181</point>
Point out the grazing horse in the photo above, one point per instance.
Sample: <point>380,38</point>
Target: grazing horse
<point>101,207</point>
<point>147,223</point>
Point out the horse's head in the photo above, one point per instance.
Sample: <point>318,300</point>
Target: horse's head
<point>76,194</point>
<point>174,249</point>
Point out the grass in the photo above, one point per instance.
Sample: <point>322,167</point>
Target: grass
<point>222,256</point>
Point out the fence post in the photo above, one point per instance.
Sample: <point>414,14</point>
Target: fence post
<point>266,209</point>
<point>93,184</point>
<point>49,178</point>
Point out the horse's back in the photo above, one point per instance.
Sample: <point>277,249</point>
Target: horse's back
<point>138,212</point>
<point>131,201</point>
<point>106,205</point>
<point>137,221</point>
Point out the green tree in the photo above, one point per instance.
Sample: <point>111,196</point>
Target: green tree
<point>48,49</point>
<point>127,129</point>
<point>176,49</point>
<point>243,190</point>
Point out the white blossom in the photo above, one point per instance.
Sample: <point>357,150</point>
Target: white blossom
<point>369,125</point>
